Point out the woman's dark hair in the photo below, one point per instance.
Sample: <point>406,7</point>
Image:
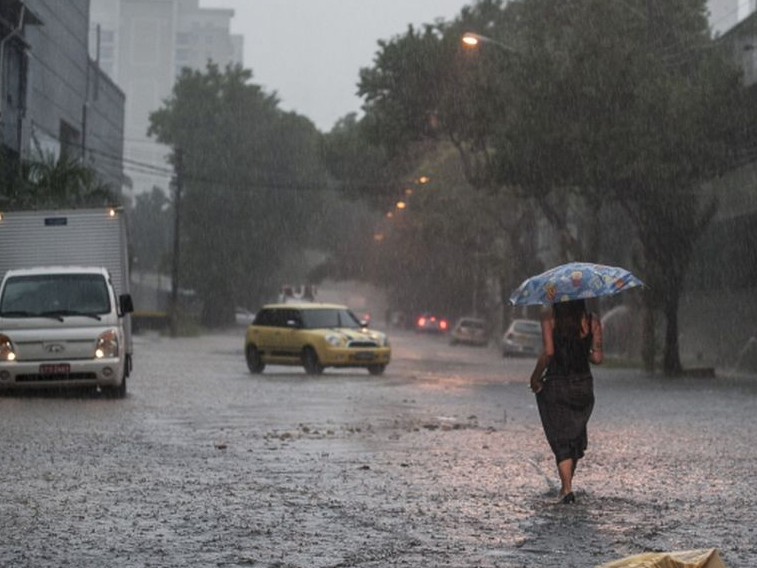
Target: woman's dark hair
<point>568,318</point>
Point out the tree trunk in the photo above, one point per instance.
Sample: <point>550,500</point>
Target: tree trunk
<point>671,360</point>
<point>648,337</point>
<point>593,231</point>
<point>218,307</point>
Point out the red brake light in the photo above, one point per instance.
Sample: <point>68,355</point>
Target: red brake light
<point>443,324</point>
<point>421,321</point>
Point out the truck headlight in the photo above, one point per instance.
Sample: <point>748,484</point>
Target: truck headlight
<point>335,340</point>
<point>107,344</point>
<point>7,353</point>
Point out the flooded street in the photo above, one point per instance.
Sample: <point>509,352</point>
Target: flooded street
<point>441,462</point>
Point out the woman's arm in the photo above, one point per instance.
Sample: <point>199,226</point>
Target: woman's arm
<point>596,352</point>
<point>548,350</point>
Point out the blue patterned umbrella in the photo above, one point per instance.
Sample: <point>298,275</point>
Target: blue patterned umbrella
<point>573,281</point>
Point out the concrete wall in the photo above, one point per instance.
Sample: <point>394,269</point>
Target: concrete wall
<point>105,127</point>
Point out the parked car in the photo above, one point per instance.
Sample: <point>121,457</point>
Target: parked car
<point>431,323</point>
<point>523,337</point>
<point>471,331</point>
<point>315,336</point>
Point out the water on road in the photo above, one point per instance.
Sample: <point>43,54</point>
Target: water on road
<point>440,462</point>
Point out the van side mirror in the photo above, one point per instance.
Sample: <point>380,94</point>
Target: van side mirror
<point>125,304</point>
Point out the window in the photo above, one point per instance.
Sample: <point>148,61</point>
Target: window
<point>328,318</point>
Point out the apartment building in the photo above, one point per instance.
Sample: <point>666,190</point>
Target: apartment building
<point>53,99</point>
<point>143,45</point>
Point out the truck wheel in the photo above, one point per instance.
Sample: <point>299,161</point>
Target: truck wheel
<point>376,369</point>
<point>254,364</point>
<point>116,392</point>
<point>310,361</point>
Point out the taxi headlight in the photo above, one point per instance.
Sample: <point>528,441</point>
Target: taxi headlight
<point>381,339</point>
<point>335,340</point>
<point>107,344</point>
<point>7,353</point>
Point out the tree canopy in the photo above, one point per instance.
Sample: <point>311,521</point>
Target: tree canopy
<point>571,106</point>
<point>252,176</point>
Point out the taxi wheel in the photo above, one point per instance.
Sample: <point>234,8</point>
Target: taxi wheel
<point>310,361</point>
<point>254,364</point>
<point>376,369</point>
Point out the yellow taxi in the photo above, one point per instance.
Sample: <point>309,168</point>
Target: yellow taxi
<point>315,336</point>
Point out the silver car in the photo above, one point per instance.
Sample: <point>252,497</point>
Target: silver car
<point>523,337</point>
<point>471,331</point>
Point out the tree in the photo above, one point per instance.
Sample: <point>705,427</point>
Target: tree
<point>252,175</point>
<point>151,230</point>
<point>56,183</point>
<point>594,102</point>
<point>424,87</point>
<point>631,102</point>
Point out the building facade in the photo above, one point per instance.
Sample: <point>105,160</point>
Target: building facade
<point>143,45</point>
<point>725,14</point>
<point>55,100</point>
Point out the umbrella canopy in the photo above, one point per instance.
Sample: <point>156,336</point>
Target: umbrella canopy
<point>573,281</point>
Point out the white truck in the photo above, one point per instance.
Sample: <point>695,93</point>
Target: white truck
<point>64,300</point>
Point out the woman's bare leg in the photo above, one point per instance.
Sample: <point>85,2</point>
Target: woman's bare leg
<point>565,468</point>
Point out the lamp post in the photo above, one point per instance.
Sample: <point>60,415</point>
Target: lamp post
<point>472,40</point>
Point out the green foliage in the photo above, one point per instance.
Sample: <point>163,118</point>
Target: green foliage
<point>361,168</point>
<point>251,175</point>
<point>631,102</point>
<point>61,183</point>
<point>581,102</point>
<point>151,231</point>
<point>442,250</point>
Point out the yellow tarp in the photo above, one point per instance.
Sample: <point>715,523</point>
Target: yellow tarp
<point>704,558</point>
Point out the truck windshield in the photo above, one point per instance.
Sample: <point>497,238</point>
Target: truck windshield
<point>55,295</point>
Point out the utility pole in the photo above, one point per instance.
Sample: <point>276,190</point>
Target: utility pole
<point>174,315</point>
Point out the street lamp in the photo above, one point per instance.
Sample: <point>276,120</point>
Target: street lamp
<point>472,40</point>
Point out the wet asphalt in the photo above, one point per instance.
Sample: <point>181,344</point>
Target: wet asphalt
<point>440,462</point>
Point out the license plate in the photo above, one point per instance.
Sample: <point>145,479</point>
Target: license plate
<point>55,369</point>
<point>364,356</point>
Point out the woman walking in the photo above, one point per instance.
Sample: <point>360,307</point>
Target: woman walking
<point>563,384</point>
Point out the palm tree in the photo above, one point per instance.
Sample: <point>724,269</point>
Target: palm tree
<point>55,184</point>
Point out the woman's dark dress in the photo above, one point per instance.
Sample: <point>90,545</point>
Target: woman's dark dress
<point>567,399</point>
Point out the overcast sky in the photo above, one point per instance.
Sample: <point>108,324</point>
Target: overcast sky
<point>310,51</point>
